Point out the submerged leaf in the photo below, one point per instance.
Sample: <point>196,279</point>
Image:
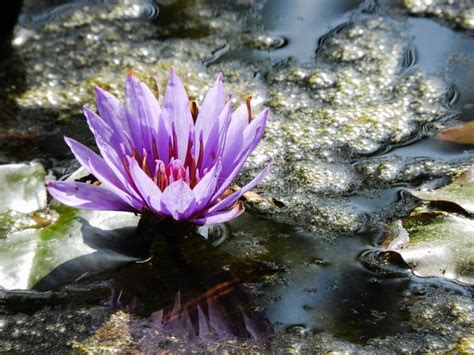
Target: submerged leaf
<point>462,134</point>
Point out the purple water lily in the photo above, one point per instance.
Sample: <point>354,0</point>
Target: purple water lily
<point>175,161</point>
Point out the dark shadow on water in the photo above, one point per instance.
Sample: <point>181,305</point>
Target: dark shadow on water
<point>113,249</point>
<point>184,285</point>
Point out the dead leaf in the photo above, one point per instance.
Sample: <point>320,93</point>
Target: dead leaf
<point>462,134</point>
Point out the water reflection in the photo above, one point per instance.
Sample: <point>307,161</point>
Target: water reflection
<point>451,55</point>
<point>187,288</point>
<point>327,289</point>
<point>301,21</point>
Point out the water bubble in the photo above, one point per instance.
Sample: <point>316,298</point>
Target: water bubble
<point>297,329</point>
<point>418,290</point>
<point>149,11</point>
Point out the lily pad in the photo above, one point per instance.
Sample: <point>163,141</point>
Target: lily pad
<point>78,243</point>
<point>460,191</point>
<point>441,244</point>
<point>22,188</point>
<point>437,238</point>
<point>46,255</point>
<point>16,258</point>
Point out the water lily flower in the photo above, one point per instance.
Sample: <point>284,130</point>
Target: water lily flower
<point>174,160</point>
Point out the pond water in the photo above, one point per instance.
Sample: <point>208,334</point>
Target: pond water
<point>358,91</point>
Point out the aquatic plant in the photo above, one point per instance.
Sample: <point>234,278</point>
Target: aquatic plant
<point>174,161</point>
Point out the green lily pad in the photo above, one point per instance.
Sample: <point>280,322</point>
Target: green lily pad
<point>437,239</point>
<point>78,243</point>
<point>440,244</point>
<point>17,253</point>
<point>460,191</point>
<point>72,243</point>
<point>22,188</point>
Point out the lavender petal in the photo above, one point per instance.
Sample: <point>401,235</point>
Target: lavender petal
<point>176,110</point>
<point>231,199</point>
<point>222,217</point>
<point>205,188</point>
<point>143,111</point>
<point>211,107</point>
<point>111,111</point>
<point>99,168</point>
<point>86,196</point>
<point>178,200</point>
<point>149,191</point>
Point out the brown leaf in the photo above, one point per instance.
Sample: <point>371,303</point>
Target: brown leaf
<point>462,134</point>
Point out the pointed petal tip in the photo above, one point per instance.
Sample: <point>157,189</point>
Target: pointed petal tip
<point>173,79</point>
<point>222,217</point>
<point>87,110</point>
<point>172,72</point>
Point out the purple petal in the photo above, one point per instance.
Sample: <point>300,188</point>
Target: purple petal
<point>86,196</point>
<point>211,107</point>
<point>143,111</point>
<point>101,130</point>
<point>157,320</point>
<point>254,131</point>
<point>149,191</point>
<point>231,199</point>
<point>204,330</point>
<point>215,142</point>
<point>252,329</point>
<point>176,109</point>
<point>216,218</point>
<point>112,111</point>
<point>205,188</point>
<point>178,200</point>
<point>249,139</point>
<point>109,146</point>
<point>218,319</point>
<point>235,135</point>
<point>85,156</point>
<point>239,160</point>
<point>97,166</point>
